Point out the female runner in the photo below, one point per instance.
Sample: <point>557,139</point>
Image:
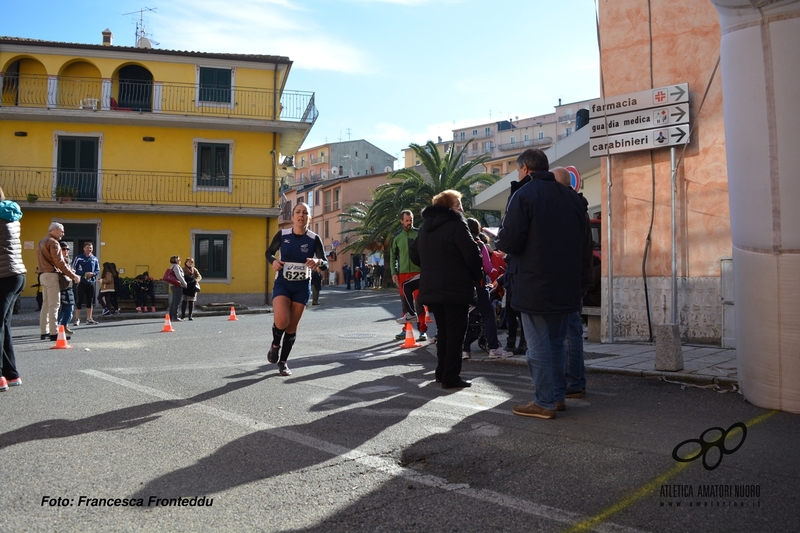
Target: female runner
<point>300,251</point>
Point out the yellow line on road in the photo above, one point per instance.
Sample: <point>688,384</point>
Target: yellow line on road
<point>653,485</point>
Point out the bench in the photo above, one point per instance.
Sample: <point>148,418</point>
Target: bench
<point>593,320</point>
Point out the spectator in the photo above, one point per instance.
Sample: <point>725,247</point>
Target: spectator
<point>106,289</point>
<point>142,290</point>
<point>405,274</point>
<point>50,265</point>
<point>450,268</point>
<point>192,277</point>
<point>357,275</point>
<point>346,275</point>
<point>543,232</point>
<point>176,291</point>
<point>87,267</point>
<point>316,285</point>
<point>67,295</point>
<point>12,281</point>
<point>120,291</point>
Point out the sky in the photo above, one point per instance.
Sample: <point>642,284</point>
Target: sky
<point>392,72</point>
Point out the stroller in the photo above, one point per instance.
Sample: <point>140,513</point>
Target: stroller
<point>474,331</point>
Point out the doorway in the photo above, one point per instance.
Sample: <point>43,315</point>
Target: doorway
<point>77,235</point>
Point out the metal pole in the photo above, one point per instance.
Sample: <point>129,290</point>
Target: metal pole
<point>609,248</point>
<point>674,285</point>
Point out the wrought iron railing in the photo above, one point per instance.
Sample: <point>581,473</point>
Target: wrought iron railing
<point>525,144</point>
<point>119,96</point>
<point>134,187</point>
<point>562,136</point>
<point>566,119</point>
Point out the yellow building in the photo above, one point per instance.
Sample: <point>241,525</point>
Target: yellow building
<point>150,153</point>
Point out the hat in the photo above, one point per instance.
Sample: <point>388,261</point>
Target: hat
<point>64,245</point>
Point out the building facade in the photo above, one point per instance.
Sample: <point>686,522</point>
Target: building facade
<point>346,158</point>
<point>150,153</point>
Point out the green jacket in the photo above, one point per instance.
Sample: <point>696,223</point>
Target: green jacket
<point>400,262</point>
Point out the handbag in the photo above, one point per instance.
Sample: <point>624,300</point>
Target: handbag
<point>171,278</point>
<point>63,282</point>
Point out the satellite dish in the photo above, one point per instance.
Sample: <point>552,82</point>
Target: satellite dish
<point>387,169</point>
<point>335,171</point>
<point>323,174</point>
<point>144,42</point>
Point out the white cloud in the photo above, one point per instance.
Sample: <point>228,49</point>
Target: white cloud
<point>269,27</point>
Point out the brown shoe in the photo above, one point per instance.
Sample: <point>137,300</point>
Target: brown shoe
<point>561,406</point>
<point>579,394</point>
<point>533,410</point>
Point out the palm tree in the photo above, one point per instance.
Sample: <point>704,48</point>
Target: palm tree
<point>371,227</point>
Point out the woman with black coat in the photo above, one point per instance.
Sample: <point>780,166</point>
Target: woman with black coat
<point>450,268</point>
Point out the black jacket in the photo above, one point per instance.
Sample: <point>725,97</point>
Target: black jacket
<point>544,232</point>
<point>449,259</point>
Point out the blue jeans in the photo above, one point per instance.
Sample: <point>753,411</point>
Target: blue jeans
<point>576,380</point>
<point>65,314</point>
<point>547,356</point>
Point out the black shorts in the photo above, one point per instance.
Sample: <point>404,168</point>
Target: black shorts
<point>85,295</point>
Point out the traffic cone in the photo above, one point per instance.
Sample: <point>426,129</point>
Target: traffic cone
<point>61,340</point>
<point>410,342</point>
<point>428,316</point>
<point>233,314</point>
<point>167,325</point>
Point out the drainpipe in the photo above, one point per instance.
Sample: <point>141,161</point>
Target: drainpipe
<point>760,81</point>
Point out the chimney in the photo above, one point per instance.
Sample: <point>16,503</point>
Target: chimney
<point>440,139</point>
<point>107,37</point>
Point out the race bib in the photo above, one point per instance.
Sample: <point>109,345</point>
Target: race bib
<point>296,272</point>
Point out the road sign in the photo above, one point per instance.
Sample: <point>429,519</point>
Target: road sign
<point>335,244</point>
<point>662,96</point>
<point>639,120</point>
<point>640,140</point>
<point>575,177</point>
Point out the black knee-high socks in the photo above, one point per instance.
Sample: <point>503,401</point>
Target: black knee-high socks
<point>288,342</point>
<point>277,335</point>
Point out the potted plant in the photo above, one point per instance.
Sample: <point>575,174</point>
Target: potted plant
<point>65,193</point>
<point>32,197</point>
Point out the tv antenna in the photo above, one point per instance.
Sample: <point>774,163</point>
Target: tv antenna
<point>141,40</point>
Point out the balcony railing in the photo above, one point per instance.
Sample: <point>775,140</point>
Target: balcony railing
<point>525,144</point>
<point>566,119</point>
<point>119,96</point>
<point>562,136</point>
<point>138,188</point>
<point>480,151</point>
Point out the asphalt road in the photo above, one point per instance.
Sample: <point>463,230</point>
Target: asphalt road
<point>359,438</point>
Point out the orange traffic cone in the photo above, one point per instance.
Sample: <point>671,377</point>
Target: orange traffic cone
<point>61,340</point>
<point>167,325</point>
<point>410,342</point>
<point>428,315</point>
<point>233,314</point>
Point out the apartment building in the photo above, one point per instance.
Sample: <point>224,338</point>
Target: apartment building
<point>346,158</point>
<point>150,153</point>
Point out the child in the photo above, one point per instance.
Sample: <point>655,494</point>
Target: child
<point>192,277</point>
<point>67,296</point>
<point>106,288</point>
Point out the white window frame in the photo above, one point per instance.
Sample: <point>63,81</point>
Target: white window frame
<point>198,103</point>
<point>195,186</point>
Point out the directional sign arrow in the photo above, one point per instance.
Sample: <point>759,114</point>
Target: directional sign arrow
<point>680,135</point>
<point>678,94</point>
<point>680,114</point>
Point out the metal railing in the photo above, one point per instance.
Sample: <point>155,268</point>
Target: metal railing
<point>137,188</point>
<point>566,119</point>
<point>119,96</point>
<point>562,136</point>
<point>480,151</point>
<point>525,144</point>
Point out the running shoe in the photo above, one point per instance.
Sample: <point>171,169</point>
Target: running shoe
<point>16,382</point>
<point>465,355</point>
<point>499,353</point>
<point>283,369</point>
<point>422,337</point>
<point>272,356</point>
<point>3,384</point>
<point>90,321</point>
<point>408,317</point>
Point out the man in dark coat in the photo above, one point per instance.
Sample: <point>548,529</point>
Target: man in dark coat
<point>543,233</point>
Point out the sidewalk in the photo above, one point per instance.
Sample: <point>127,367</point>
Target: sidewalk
<point>702,365</point>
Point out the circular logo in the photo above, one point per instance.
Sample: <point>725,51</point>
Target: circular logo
<point>575,177</point>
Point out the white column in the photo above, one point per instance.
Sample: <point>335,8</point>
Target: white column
<point>761,95</point>
<point>52,92</point>
<point>105,103</point>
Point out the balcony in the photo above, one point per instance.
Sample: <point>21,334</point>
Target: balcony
<point>480,151</point>
<point>562,136</point>
<point>566,119</point>
<point>137,191</point>
<point>525,144</point>
<point>120,98</point>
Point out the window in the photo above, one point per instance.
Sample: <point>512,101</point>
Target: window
<point>300,200</point>
<point>513,140</point>
<point>527,137</point>
<point>316,228</point>
<point>487,132</point>
<point>463,135</point>
<point>327,204</point>
<point>356,154</point>
<point>474,133</point>
<point>213,164</point>
<point>316,200</point>
<point>327,233</point>
<point>487,146</point>
<point>336,193</point>
<point>211,255</point>
<point>366,156</point>
<point>541,135</point>
<point>215,85</point>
